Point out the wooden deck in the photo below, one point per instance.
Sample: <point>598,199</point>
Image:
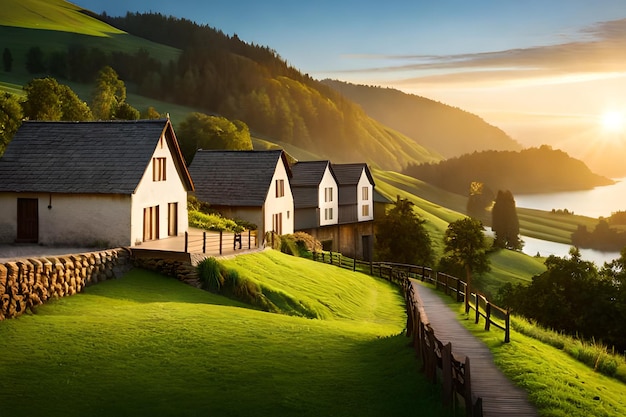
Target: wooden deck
<point>499,396</point>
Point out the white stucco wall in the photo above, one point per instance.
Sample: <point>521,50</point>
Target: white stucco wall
<point>328,181</point>
<point>364,182</point>
<point>274,205</point>
<point>72,219</point>
<point>151,193</point>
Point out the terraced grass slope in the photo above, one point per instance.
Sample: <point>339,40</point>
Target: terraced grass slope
<point>146,345</point>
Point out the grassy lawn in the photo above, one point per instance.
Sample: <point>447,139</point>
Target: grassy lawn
<point>556,383</point>
<point>146,345</point>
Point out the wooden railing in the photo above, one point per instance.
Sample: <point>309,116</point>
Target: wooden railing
<point>438,359</point>
<point>218,242</point>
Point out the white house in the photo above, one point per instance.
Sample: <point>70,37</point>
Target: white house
<point>113,183</point>
<point>248,185</point>
<point>315,193</point>
<point>356,192</point>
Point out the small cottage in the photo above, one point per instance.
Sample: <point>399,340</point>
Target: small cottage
<point>248,185</point>
<point>112,183</point>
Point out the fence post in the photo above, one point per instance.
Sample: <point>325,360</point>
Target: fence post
<point>467,382</point>
<point>422,273</point>
<point>221,240</point>
<point>488,314</point>
<point>330,255</point>
<point>204,242</point>
<point>371,268</point>
<point>446,374</point>
<point>249,238</point>
<point>477,308</point>
<point>354,265</point>
<point>507,326</point>
<point>186,241</point>
<point>458,290</point>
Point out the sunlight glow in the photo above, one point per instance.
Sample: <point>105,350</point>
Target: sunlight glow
<point>613,121</point>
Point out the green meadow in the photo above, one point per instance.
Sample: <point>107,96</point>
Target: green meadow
<point>147,345</point>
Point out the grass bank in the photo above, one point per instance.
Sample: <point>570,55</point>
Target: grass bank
<point>146,345</point>
<point>556,383</point>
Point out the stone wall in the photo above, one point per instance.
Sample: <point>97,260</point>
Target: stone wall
<point>27,283</point>
<point>177,265</point>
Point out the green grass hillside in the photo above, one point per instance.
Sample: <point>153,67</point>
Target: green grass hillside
<point>56,24</point>
<point>146,345</point>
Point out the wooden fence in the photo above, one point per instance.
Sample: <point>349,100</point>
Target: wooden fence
<point>450,285</point>
<point>437,359</point>
<point>219,242</point>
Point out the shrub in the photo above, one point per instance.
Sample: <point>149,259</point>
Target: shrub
<point>210,273</point>
<point>214,222</point>
<point>289,246</point>
<point>298,244</point>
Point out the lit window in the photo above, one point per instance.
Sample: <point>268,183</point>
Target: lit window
<point>365,210</point>
<point>158,169</point>
<point>280,188</point>
<point>365,193</point>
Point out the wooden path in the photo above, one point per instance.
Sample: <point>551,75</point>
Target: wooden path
<point>500,397</point>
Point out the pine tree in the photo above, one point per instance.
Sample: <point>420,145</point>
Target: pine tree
<point>504,222</point>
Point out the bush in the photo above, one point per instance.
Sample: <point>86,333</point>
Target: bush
<point>297,244</point>
<point>210,273</point>
<point>214,222</point>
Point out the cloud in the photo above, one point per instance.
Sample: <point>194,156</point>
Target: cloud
<point>599,53</point>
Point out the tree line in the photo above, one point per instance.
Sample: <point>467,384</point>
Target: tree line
<point>576,297</point>
<point>531,170</point>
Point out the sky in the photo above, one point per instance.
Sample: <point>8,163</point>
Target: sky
<point>546,72</point>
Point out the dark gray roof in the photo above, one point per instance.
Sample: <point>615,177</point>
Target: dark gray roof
<point>309,173</point>
<point>307,176</point>
<point>107,157</point>
<point>349,174</point>
<point>235,178</point>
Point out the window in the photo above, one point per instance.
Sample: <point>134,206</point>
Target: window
<point>158,169</point>
<point>328,213</point>
<point>365,193</point>
<point>280,188</point>
<point>328,194</point>
<point>365,210</point>
<point>277,223</point>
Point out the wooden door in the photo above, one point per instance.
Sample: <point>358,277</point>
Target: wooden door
<point>151,223</point>
<point>172,219</point>
<point>27,220</point>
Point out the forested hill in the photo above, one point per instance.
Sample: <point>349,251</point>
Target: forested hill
<point>222,74</point>
<point>533,170</point>
<point>446,129</point>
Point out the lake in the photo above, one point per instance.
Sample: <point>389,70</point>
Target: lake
<point>600,201</point>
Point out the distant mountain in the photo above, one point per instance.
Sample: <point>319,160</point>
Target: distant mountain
<point>446,129</point>
<point>534,170</point>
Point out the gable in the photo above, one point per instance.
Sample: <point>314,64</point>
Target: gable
<point>84,157</point>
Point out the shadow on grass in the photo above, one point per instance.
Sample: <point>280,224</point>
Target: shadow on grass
<point>143,286</point>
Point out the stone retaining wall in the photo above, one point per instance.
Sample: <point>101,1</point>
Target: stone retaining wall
<point>27,283</point>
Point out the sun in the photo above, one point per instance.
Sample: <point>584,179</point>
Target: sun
<point>613,121</point>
